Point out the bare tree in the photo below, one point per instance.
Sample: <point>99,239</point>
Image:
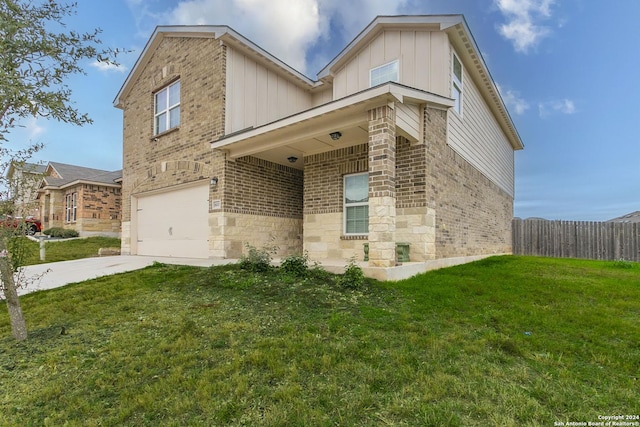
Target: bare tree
<point>37,55</point>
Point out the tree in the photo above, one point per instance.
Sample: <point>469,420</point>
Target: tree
<point>37,55</point>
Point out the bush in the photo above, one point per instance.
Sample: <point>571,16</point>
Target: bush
<point>257,260</point>
<point>353,277</point>
<point>63,233</point>
<point>295,265</point>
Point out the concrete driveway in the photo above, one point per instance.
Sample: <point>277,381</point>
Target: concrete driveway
<point>56,274</point>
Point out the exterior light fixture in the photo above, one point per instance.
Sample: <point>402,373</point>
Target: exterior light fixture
<point>292,159</point>
<point>335,135</point>
<point>214,180</point>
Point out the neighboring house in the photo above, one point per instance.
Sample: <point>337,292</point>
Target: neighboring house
<point>628,218</point>
<point>402,139</point>
<point>23,179</point>
<point>83,199</point>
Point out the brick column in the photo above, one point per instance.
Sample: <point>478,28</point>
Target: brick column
<point>382,187</point>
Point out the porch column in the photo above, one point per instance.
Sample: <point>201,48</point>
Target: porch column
<point>382,186</point>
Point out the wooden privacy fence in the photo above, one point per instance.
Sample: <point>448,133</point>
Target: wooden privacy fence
<point>576,239</point>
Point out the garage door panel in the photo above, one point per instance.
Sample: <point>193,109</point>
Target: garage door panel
<point>174,223</point>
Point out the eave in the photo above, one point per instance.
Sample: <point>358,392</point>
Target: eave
<point>307,133</point>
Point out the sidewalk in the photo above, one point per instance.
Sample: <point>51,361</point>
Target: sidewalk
<point>56,274</point>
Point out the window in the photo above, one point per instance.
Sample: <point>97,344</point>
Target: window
<point>356,204</point>
<point>71,207</point>
<point>384,73</point>
<point>456,90</point>
<point>167,108</point>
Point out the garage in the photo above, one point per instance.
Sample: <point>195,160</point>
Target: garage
<point>174,223</point>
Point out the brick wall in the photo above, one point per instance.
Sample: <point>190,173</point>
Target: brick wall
<point>472,214</point>
<point>180,155</point>
<point>259,187</point>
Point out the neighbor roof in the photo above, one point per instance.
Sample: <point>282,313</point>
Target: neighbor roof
<point>72,174</point>
<point>628,218</point>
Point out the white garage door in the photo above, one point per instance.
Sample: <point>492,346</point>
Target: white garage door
<point>174,223</point>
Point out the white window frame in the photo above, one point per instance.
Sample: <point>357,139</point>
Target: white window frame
<point>456,84</point>
<point>165,109</point>
<point>71,207</point>
<point>346,205</point>
<point>383,76</point>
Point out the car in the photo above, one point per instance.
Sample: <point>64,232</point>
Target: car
<point>30,224</point>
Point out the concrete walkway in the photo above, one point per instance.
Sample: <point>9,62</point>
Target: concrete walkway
<point>56,274</point>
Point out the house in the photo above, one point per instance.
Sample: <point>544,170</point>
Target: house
<point>403,141</point>
<point>23,179</point>
<point>628,218</point>
<point>83,199</point>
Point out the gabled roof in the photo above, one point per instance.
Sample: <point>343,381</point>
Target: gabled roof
<point>454,25</point>
<point>72,174</point>
<point>223,33</point>
<point>25,167</point>
<point>628,218</point>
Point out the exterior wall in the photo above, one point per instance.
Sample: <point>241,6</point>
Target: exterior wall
<point>322,96</point>
<point>260,205</point>
<point>422,59</point>
<point>180,155</point>
<point>472,214</point>
<point>477,137</point>
<point>99,210</point>
<point>323,202</point>
<point>52,208</point>
<point>257,95</point>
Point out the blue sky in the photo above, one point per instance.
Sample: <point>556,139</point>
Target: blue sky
<point>567,70</point>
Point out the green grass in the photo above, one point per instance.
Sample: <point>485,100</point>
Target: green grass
<point>504,341</point>
<point>68,249</point>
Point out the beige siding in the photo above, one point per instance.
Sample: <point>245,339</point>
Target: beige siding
<point>257,95</point>
<point>422,57</point>
<point>408,120</point>
<point>322,97</point>
<point>478,138</point>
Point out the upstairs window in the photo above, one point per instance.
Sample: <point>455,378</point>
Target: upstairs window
<point>384,73</point>
<point>356,204</point>
<point>456,89</point>
<point>167,108</point>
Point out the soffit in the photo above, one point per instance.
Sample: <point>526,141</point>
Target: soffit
<point>307,133</point>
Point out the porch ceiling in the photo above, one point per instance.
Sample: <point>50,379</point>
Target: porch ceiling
<point>307,133</point>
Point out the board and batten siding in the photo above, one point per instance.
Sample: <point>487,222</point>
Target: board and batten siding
<point>479,139</point>
<point>421,58</point>
<point>257,95</point>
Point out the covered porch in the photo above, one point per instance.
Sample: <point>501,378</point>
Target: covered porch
<point>353,136</point>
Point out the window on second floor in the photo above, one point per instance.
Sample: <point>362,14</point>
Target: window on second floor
<point>71,207</point>
<point>384,73</point>
<point>356,204</point>
<point>167,108</point>
<point>456,87</point>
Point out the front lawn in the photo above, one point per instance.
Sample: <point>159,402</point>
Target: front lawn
<point>66,250</point>
<point>503,341</point>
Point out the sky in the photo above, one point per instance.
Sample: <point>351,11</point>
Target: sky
<point>566,69</point>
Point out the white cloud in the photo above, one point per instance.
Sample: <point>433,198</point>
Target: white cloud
<point>287,29</point>
<point>513,100</point>
<point>558,106</point>
<point>523,26</point>
<point>106,67</point>
<point>33,129</point>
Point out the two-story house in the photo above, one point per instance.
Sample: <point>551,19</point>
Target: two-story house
<point>403,138</point>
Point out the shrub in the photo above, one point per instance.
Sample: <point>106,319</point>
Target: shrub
<point>257,260</point>
<point>353,277</point>
<point>295,265</point>
<point>623,263</point>
<point>64,233</point>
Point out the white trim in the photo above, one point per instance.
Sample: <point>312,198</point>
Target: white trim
<point>457,84</point>
<point>352,205</point>
<point>166,110</point>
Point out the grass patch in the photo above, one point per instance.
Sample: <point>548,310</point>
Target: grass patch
<point>68,249</point>
<point>504,341</point>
